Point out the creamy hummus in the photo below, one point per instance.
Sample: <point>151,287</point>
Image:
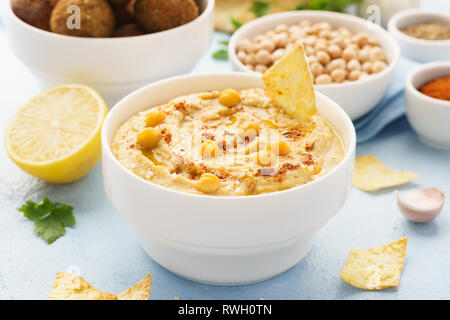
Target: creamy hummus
<point>251,148</point>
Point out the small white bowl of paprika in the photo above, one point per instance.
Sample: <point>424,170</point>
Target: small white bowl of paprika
<point>427,96</point>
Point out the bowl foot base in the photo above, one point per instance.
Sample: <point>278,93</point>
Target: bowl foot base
<point>434,144</point>
<point>227,266</point>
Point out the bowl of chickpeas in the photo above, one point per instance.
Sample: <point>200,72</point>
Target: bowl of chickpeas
<point>351,60</point>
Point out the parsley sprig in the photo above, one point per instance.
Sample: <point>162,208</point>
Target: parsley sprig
<point>50,218</point>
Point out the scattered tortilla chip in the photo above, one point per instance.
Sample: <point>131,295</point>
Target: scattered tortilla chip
<point>377,268</point>
<point>140,291</point>
<point>289,84</point>
<point>372,175</point>
<point>241,11</point>
<point>68,286</point>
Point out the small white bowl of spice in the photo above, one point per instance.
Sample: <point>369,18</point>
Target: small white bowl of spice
<point>422,35</point>
<point>347,55</point>
<point>427,95</point>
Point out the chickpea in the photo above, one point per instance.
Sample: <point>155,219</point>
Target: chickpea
<point>252,48</point>
<point>230,98</point>
<point>267,45</point>
<point>323,57</point>
<point>321,45</point>
<point>312,59</point>
<point>364,75</point>
<point>364,55</point>
<point>241,55</point>
<point>335,51</point>
<point>297,35</point>
<point>294,29</point>
<point>259,38</point>
<point>333,35</point>
<point>310,40</point>
<point>305,23</point>
<point>323,79</point>
<point>250,59</point>
<point>324,34</point>
<point>338,75</point>
<point>367,47</point>
<point>336,64</point>
<point>209,149</point>
<point>316,68</point>
<point>250,67</point>
<point>149,137</point>
<point>349,54</point>
<point>361,39</point>
<point>378,66</point>
<point>367,67</point>
<point>260,68</point>
<point>354,75</point>
<point>263,57</point>
<point>289,46</point>
<point>281,28</point>
<point>243,45</point>
<point>310,50</point>
<point>253,127</point>
<point>372,41</point>
<point>264,158</point>
<point>376,54</point>
<point>353,65</point>
<point>277,55</point>
<point>280,148</point>
<point>344,31</point>
<point>154,118</point>
<point>280,40</point>
<point>208,183</point>
<point>270,34</point>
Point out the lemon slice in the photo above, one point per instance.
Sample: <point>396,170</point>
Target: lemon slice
<point>56,135</point>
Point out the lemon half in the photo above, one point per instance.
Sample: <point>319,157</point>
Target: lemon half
<point>56,135</point>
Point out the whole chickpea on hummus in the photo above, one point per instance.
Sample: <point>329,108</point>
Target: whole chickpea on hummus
<point>228,143</point>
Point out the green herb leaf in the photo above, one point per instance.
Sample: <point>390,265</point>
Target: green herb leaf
<point>330,5</point>
<point>260,8</point>
<point>225,42</point>
<point>50,218</point>
<point>236,23</point>
<point>220,55</point>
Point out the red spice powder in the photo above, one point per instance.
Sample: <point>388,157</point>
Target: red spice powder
<point>438,88</point>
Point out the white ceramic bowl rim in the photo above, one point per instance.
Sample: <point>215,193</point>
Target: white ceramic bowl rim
<point>310,13</point>
<point>204,15</point>
<point>399,16</point>
<point>122,103</point>
<point>422,68</point>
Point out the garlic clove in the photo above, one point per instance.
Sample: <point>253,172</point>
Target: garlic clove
<point>421,205</point>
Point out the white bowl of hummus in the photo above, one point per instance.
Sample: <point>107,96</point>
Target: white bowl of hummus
<point>258,216</point>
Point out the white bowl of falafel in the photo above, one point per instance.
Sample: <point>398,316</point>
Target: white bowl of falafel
<point>114,46</point>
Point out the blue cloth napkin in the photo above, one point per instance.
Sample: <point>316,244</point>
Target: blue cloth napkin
<point>391,108</point>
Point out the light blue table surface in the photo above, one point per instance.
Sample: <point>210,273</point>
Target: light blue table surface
<point>103,247</point>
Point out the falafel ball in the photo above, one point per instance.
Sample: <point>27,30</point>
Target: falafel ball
<point>34,12</point>
<point>128,30</point>
<point>124,14</point>
<point>97,18</point>
<point>119,3</point>
<point>160,15</point>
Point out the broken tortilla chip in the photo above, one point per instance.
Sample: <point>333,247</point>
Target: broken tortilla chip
<point>140,291</point>
<point>377,268</point>
<point>68,286</point>
<point>289,84</point>
<point>372,175</point>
